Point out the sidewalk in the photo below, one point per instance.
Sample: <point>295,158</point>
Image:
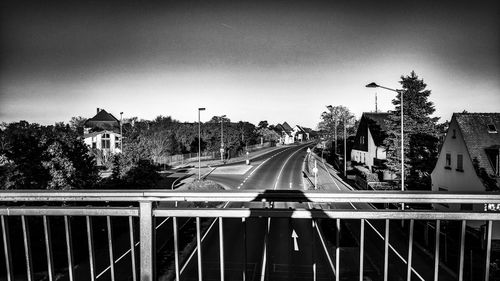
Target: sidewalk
<point>327,178</point>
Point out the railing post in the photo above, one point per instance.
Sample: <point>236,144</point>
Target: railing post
<point>146,239</point>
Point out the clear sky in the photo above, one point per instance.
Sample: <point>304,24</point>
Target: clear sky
<point>251,60</point>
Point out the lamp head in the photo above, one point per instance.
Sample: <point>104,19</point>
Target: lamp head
<point>372,85</point>
<point>201,108</point>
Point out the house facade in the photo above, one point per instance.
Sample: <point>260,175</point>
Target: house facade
<point>368,144</point>
<point>286,133</point>
<point>469,157</point>
<point>102,135</point>
<point>300,134</point>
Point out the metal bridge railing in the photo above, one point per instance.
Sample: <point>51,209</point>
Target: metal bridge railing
<point>143,206</point>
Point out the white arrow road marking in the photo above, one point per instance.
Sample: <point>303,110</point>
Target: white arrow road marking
<point>295,243</point>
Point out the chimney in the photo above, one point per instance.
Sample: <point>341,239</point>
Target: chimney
<point>98,109</point>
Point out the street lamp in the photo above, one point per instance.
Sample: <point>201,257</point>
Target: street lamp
<point>375,85</point>
<point>330,108</point>
<point>221,137</point>
<point>121,132</point>
<point>199,143</point>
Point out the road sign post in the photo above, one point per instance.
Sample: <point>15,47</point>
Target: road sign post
<point>315,171</point>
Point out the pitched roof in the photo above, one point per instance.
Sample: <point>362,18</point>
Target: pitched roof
<point>376,125</point>
<point>103,115</point>
<point>474,129</point>
<point>287,127</point>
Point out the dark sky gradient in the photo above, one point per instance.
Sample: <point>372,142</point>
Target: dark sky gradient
<point>251,60</point>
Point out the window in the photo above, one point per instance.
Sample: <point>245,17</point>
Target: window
<point>362,139</point>
<point>448,161</point>
<point>94,145</point>
<point>494,157</point>
<point>460,164</point>
<point>454,134</point>
<point>105,144</point>
<point>492,129</point>
<point>105,141</point>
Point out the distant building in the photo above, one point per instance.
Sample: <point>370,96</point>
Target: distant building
<point>368,144</point>
<point>102,121</point>
<point>469,157</point>
<point>286,133</point>
<point>102,134</point>
<point>300,133</point>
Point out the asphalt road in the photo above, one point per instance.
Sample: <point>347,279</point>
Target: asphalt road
<point>298,249</point>
<point>262,248</point>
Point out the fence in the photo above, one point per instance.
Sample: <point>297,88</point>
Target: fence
<point>143,206</point>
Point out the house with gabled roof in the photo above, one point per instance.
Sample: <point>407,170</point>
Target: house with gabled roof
<point>368,146</point>
<point>102,121</point>
<point>286,133</point>
<point>469,157</point>
<point>300,133</point>
<point>102,133</point>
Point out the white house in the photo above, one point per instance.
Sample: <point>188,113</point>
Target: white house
<point>469,157</point>
<point>368,144</point>
<point>299,134</point>
<point>101,133</point>
<point>106,141</point>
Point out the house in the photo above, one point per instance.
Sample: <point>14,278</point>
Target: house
<point>300,133</point>
<point>102,133</point>
<point>286,133</point>
<point>469,157</point>
<point>368,144</point>
<point>102,121</point>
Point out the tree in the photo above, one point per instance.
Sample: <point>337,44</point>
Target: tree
<point>40,157</point>
<point>334,118</point>
<point>420,133</point>
<point>263,124</point>
<point>76,123</point>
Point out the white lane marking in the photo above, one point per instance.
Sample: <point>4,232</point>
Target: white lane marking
<point>283,167</point>
<point>295,243</point>
<point>253,171</point>
<point>378,233</point>
<point>264,258</point>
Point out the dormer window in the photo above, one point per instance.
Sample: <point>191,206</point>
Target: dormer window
<point>492,129</point>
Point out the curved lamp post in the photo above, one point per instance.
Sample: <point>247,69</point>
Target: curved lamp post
<point>375,85</point>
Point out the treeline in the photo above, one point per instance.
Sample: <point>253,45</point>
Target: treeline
<point>44,157</point>
<point>33,156</point>
<point>165,136</point>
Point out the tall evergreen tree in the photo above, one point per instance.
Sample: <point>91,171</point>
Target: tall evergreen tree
<point>420,133</point>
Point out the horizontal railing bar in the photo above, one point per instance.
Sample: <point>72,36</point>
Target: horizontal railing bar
<point>249,196</point>
<point>317,213</point>
<point>69,211</point>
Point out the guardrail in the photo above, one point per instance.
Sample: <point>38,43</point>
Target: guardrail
<point>144,207</point>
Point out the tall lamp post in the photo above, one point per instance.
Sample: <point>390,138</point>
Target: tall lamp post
<point>199,143</point>
<point>330,108</point>
<point>121,132</point>
<point>375,85</point>
<point>221,137</point>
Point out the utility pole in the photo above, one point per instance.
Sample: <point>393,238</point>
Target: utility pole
<point>199,143</point>
<point>121,132</point>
